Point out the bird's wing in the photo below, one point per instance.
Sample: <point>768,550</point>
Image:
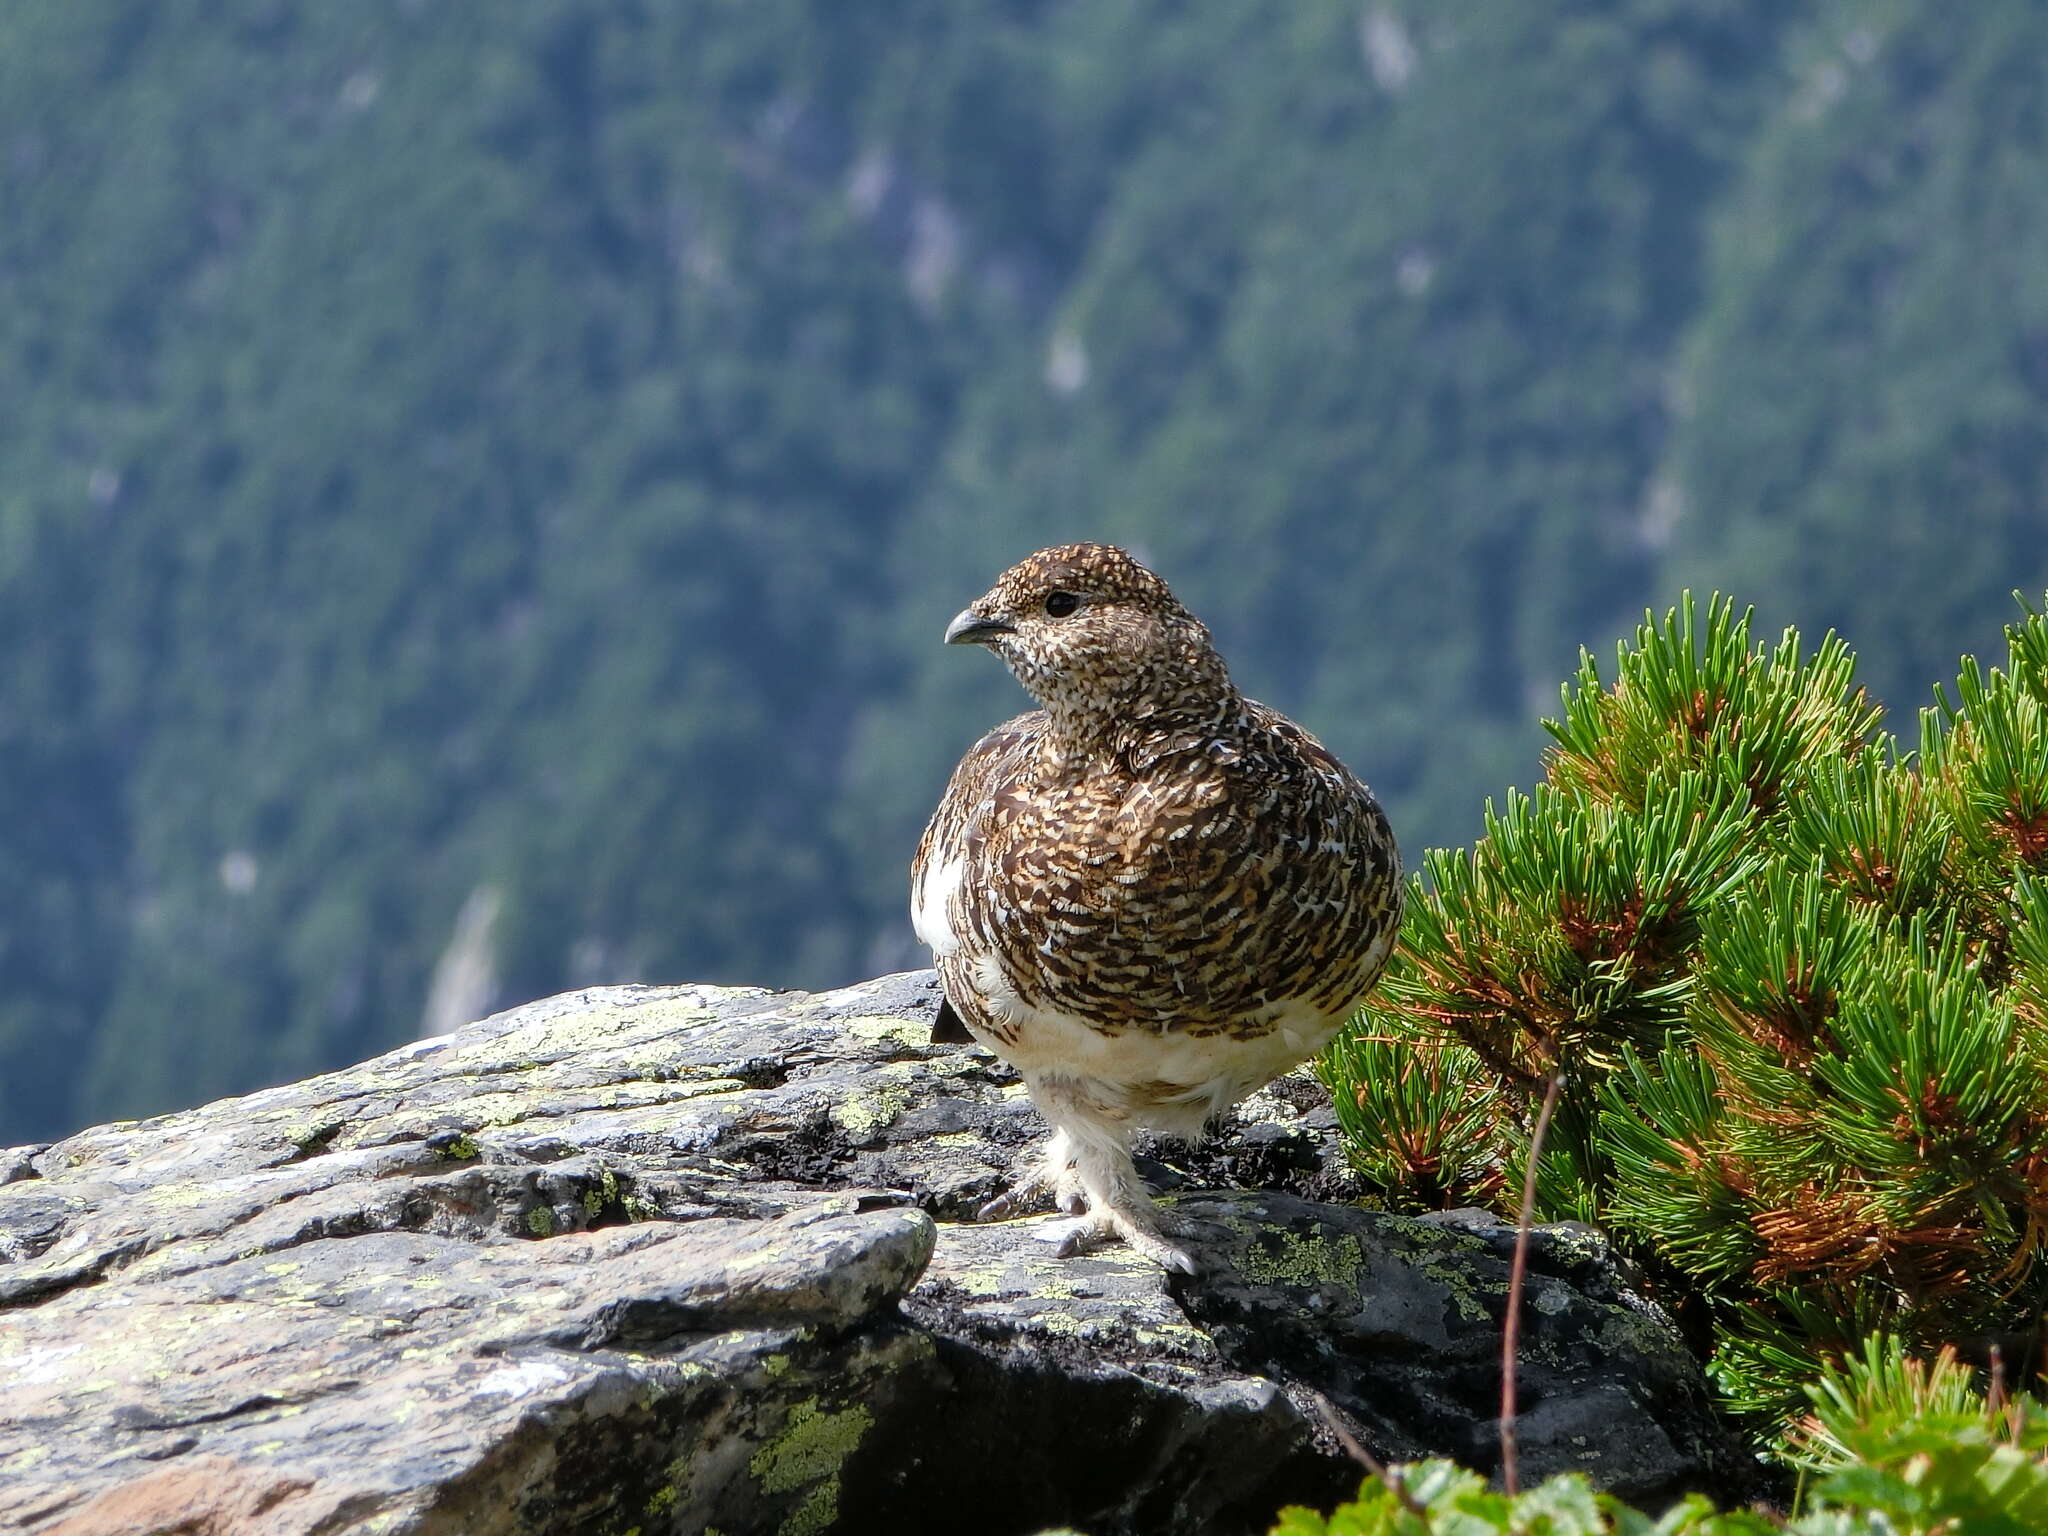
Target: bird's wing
<point>937,868</point>
<point>1195,897</point>
<point>1342,871</point>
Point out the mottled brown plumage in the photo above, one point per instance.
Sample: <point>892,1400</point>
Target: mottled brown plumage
<point>1151,895</point>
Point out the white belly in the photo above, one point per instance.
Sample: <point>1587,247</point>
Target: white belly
<point>1169,1080</point>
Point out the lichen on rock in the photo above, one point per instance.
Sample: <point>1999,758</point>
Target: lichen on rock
<point>690,1258</point>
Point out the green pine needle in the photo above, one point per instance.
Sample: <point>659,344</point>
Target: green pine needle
<point>1797,981</point>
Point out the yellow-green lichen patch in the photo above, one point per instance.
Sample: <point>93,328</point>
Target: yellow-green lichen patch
<point>1575,1244</point>
<point>25,1460</point>
<point>989,1279</point>
<point>891,1027</point>
<point>1429,1234</point>
<point>599,1025</point>
<point>641,1094</point>
<point>812,1447</point>
<point>669,1014</point>
<point>605,1192</point>
<point>510,1109</point>
<point>1061,1324</point>
<point>1175,1338</point>
<point>1457,1284</point>
<point>638,1208</point>
<point>818,1512</point>
<point>675,1485</point>
<point>636,1094</point>
<point>1628,1335</point>
<point>185,1196</point>
<point>540,1221</point>
<point>700,1087</point>
<point>959,1064</point>
<point>1059,1286</point>
<point>473,1113</point>
<point>862,1113</point>
<point>1293,1259</point>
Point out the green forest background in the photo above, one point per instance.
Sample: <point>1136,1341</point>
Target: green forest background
<point>481,486</point>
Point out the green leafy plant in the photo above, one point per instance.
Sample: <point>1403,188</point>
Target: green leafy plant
<point>1916,1443</point>
<point>1893,1446</point>
<point>1439,1498</point>
<point>1796,979</point>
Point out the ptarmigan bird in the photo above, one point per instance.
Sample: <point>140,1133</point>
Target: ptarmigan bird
<point>1151,895</point>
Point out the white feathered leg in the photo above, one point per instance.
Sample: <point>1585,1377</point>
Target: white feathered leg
<point>1094,1143</point>
<point>1055,1178</point>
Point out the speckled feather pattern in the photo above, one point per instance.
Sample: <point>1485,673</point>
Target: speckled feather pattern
<point>1152,850</point>
<point>1244,871</point>
<point>1151,890</point>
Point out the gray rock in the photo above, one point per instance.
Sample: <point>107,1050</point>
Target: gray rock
<point>691,1258</point>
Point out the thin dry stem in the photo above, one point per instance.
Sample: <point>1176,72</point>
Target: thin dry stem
<point>1335,1424</point>
<point>1511,1330</point>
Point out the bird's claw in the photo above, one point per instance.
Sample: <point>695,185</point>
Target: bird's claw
<point>1140,1235</point>
<point>1023,1200</point>
<point>1014,1202</point>
<point>1055,1178</point>
<point>1173,1224</point>
<point>1137,1223</point>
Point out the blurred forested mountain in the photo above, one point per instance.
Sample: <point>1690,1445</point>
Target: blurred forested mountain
<point>502,470</point>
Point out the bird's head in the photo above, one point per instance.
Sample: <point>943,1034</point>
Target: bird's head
<point>1097,639</point>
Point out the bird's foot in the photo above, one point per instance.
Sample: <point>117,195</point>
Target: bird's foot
<point>1022,1198</point>
<point>1055,1178</point>
<point>1018,1200</point>
<point>1145,1232</point>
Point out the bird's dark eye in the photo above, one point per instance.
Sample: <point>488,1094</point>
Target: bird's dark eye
<point>1060,604</point>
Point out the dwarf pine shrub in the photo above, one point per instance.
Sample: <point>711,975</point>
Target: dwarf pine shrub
<point>1796,978</point>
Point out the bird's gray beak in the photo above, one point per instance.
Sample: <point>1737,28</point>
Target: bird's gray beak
<point>970,628</point>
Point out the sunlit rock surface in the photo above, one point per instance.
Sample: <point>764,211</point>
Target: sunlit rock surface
<point>676,1259</point>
